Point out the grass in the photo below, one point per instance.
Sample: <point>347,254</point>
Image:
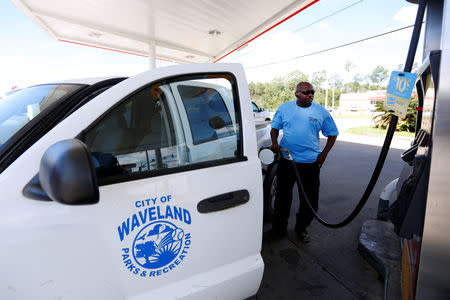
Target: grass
<point>370,129</point>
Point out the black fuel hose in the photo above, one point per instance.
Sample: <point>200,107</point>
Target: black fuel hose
<point>387,140</point>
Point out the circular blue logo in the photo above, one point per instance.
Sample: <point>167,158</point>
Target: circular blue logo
<point>157,244</point>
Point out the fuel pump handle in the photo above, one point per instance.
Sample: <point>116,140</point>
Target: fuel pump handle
<point>287,153</point>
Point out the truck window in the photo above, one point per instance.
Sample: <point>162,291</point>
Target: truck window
<point>20,108</point>
<point>255,107</point>
<point>168,125</point>
<point>206,112</point>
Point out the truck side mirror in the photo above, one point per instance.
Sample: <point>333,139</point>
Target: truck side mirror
<point>261,109</point>
<point>67,173</point>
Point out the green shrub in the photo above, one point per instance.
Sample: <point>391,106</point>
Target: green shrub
<point>407,124</point>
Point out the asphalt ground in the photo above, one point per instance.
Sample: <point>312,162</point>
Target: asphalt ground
<point>330,266</point>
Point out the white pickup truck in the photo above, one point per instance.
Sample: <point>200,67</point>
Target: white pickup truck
<point>260,114</point>
<point>142,188</point>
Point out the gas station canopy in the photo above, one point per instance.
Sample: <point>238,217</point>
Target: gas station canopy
<point>182,31</point>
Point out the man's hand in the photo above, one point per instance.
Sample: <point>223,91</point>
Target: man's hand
<point>321,159</point>
<point>275,148</point>
<point>322,156</point>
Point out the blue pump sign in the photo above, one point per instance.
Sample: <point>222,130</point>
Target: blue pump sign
<point>398,94</point>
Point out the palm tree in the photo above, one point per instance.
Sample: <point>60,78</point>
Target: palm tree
<point>348,66</point>
<point>407,124</point>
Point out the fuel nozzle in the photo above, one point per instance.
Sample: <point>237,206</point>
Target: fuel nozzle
<point>287,152</point>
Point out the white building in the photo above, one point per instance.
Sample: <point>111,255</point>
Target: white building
<point>362,102</point>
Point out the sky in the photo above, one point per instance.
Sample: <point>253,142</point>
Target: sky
<point>29,55</point>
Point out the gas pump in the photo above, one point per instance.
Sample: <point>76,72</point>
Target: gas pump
<point>407,197</point>
<point>418,201</point>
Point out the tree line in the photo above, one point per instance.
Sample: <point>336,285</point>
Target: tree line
<point>281,89</point>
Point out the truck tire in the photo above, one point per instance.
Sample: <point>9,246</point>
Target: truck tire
<point>269,189</point>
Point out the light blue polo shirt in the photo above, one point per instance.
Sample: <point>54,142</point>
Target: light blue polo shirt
<point>301,127</point>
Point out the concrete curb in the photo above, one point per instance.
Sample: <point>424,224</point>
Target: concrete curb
<point>380,246</point>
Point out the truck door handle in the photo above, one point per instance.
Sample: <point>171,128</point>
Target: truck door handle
<point>223,201</point>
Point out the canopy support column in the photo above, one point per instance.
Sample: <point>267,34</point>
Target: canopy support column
<point>152,55</point>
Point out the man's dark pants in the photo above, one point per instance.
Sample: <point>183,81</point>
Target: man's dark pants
<point>310,177</point>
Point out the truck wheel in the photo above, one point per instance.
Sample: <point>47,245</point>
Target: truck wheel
<point>270,188</point>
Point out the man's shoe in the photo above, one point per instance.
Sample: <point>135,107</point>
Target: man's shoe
<point>303,236</point>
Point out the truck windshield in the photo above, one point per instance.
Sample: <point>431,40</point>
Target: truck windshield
<point>20,108</point>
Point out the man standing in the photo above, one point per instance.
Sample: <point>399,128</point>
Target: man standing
<point>301,121</point>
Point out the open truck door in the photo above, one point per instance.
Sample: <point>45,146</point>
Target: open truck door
<point>176,214</point>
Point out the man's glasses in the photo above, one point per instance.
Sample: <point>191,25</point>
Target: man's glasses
<point>306,93</point>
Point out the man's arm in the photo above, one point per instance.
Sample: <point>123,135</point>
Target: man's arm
<point>274,136</point>
<point>330,143</point>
